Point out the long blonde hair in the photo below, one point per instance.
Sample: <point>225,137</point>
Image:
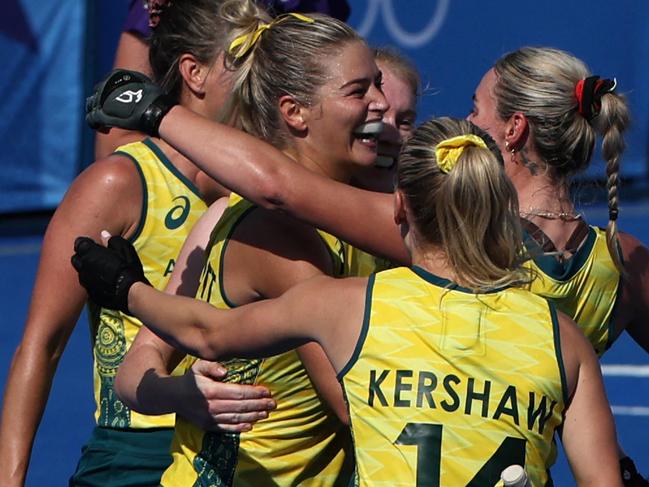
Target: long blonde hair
<point>541,83</point>
<point>471,212</point>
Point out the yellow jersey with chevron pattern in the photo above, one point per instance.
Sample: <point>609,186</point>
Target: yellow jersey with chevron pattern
<point>448,388</point>
<point>171,205</point>
<point>586,287</point>
<point>300,443</point>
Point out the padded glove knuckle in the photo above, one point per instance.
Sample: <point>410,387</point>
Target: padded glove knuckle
<point>129,100</point>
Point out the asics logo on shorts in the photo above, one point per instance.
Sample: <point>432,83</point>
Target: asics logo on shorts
<point>130,96</point>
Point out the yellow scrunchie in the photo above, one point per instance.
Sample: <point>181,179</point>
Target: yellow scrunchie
<point>246,42</point>
<point>448,151</point>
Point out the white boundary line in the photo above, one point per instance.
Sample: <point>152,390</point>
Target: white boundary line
<point>619,370</point>
<point>630,410</point>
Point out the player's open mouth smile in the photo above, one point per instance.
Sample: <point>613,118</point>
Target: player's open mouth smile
<point>368,133</point>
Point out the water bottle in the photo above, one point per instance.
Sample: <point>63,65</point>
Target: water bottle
<point>514,476</point>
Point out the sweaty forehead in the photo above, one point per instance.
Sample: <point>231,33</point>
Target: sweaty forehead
<point>354,61</point>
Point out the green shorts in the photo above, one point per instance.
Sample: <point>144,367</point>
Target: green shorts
<point>123,458</point>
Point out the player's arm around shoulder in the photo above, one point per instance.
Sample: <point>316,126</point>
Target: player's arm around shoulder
<point>634,307</point>
<point>106,195</point>
<point>588,434</point>
<point>266,256</point>
<point>265,175</point>
<point>323,309</point>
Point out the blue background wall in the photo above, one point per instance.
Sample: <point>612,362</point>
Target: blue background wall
<point>41,47</point>
<point>53,52</point>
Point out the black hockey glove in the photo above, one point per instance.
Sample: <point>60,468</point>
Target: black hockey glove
<point>128,100</point>
<point>630,475</point>
<point>108,273</point>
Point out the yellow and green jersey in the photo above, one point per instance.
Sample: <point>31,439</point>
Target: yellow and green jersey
<point>300,443</point>
<point>171,205</point>
<point>586,287</point>
<point>448,388</point>
<point>362,264</point>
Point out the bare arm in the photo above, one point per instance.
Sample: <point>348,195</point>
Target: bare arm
<point>106,195</point>
<point>588,433</point>
<point>263,174</point>
<point>304,313</point>
<point>323,377</point>
<point>144,381</point>
<point>635,299</point>
<point>187,271</point>
<point>145,384</point>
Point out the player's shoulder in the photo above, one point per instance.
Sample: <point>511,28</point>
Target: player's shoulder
<point>630,244</point>
<point>110,179</point>
<point>114,170</point>
<point>635,254</point>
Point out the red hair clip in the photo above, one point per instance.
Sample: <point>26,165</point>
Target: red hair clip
<point>589,92</point>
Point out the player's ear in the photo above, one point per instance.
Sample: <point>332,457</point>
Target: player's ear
<point>516,131</point>
<point>399,208</point>
<point>194,73</point>
<point>293,113</point>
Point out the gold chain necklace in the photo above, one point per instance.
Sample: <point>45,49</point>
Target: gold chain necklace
<point>551,215</point>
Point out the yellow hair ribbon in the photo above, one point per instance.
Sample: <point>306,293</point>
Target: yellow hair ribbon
<point>246,42</point>
<point>448,151</point>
